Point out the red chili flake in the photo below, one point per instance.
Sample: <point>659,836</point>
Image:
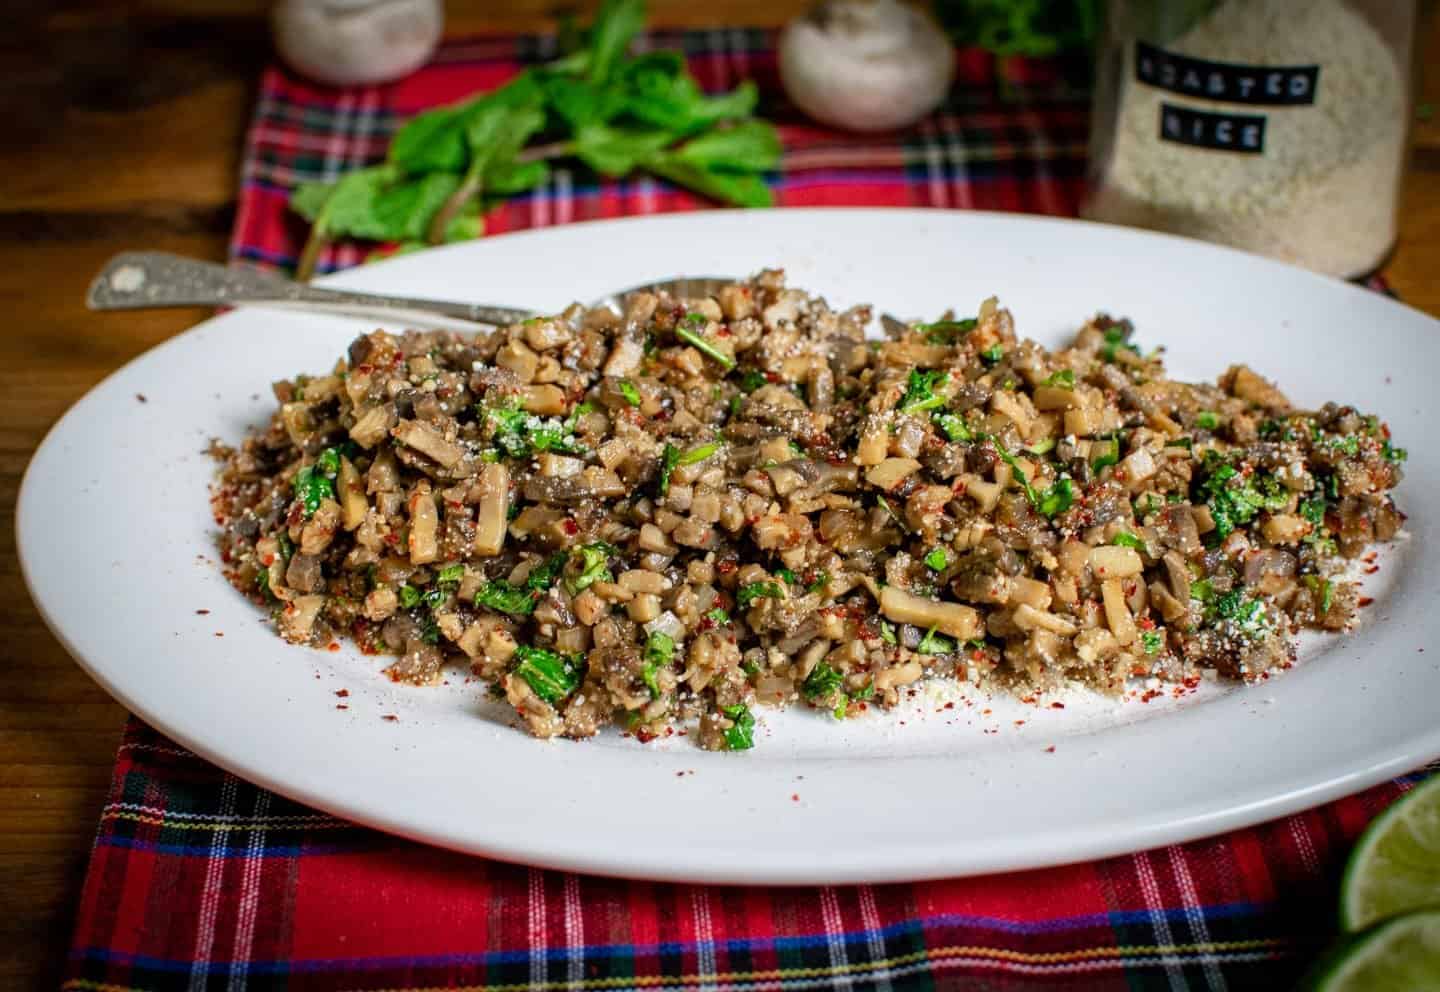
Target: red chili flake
<point>1365,601</point>
<point>141,397</point>
<point>1371,569</point>
<point>725,567</point>
<point>343,693</point>
<point>985,712</point>
<point>723,331</point>
<point>1144,623</point>
<point>391,718</point>
<point>1057,706</point>
<point>794,797</point>
<point>333,646</point>
<point>570,527</point>
<point>1019,723</point>
<point>950,705</point>
<point>219,633</point>
<point>645,735</point>
<point>203,612</point>
<point>1050,749</point>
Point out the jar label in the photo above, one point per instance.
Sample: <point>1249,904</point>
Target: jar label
<point>1223,132</point>
<point>1226,82</point>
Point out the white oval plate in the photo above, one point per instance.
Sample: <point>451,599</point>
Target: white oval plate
<point>118,548</point>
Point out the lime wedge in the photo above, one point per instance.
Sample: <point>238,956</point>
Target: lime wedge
<point>1395,868</point>
<point>1402,953</point>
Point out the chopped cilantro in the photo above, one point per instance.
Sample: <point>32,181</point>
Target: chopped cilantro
<point>503,597</point>
<point>1248,615</point>
<point>690,334</point>
<point>697,454</point>
<point>1128,540</point>
<point>937,559</point>
<point>1235,499</point>
<point>786,574</point>
<point>312,488</point>
<point>520,434</point>
<point>1325,590</point>
<point>628,390</point>
<point>752,380</point>
<point>659,653</point>
<point>885,505</point>
<point>594,566</point>
<point>820,580</point>
<point>1103,453</point>
<point>993,354</point>
<point>1203,591</point>
<point>756,590</point>
<point>954,426</point>
<point>933,643</point>
<point>920,392</point>
<point>1116,338</point>
<point>1065,379</point>
<point>822,682</point>
<point>669,458</point>
<point>450,574</point>
<point>429,630</point>
<point>887,632</point>
<point>1153,641</point>
<point>1207,420</point>
<point>1058,498</point>
<point>1393,454</point>
<point>741,735</point>
<point>719,615</point>
<point>409,596</point>
<point>551,676</point>
<point>1041,447</point>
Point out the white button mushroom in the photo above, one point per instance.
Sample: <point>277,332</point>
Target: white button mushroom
<point>349,42</point>
<point>866,65</point>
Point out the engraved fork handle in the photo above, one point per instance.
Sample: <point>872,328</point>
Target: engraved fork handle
<point>139,280</point>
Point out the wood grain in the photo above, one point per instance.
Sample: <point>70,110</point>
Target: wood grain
<point>124,123</point>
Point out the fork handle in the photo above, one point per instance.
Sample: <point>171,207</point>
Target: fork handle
<point>140,280</point>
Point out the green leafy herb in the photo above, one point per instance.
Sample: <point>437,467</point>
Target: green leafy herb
<point>1103,453</point>
<point>946,331</point>
<point>450,575</point>
<point>312,489</point>
<point>822,682</point>
<point>752,380</point>
<point>1117,337</point>
<point>887,632</point>
<point>698,453</point>
<point>669,458</point>
<point>1247,615</point>
<point>885,505</point>
<point>521,435</point>
<point>659,653</point>
<point>933,643</point>
<point>1128,540</point>
<point>954,426</point>
<point>756,590</point>
<point>1234,498</point>
<point>695,339</point>
<point>920,392</point>
<point>1041,447</point>
<point>937,559</point>
<point>1324,589</point>
<point>594,566</point>
<point>1065,379</point>
<point>409,596</point>
<point>1202,591</point>
<point>503,597</point>
<point>993,354</point>
<point>818,582</point>
<point>741,734</point>
<point>718,615</point>
<point>786,574</point>
<point>1393,454</point>
<point>1207,420</point>
<point>1153,641</point>
<point>551,676</point>
<point>628,390</point>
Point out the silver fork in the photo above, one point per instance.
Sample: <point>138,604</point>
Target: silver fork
<point>142,280</point>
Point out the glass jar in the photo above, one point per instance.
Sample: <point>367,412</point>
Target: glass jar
<point>1275,126</point>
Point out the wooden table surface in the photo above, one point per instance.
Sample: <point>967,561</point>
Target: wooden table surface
<point>125,124</point>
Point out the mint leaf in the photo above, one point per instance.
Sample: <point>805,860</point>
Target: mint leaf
<point>308,199</point>
<point>616,151</point>
<point>615,26</point>
<point>740,188</point>
<point>749,146</point>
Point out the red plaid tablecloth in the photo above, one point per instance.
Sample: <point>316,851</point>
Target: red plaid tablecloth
<point>201,881</point>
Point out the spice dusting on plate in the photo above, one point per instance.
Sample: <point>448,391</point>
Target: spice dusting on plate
<point>672,517</point>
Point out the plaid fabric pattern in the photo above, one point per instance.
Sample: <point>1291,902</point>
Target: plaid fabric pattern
<point>200,881</point>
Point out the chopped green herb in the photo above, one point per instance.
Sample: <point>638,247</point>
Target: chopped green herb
<point>490,455</point>
<point>752,380</point>
<point>409,596</point>
<point>691,336</point>
<point>937,559</point>
<point>1207,420</point>
<point>786,574</point>
<point>450,574</point>
<point>1041,447</point>
<point>1058,498</point>
<point>659,653</point>
<point>1116,337</point>
<point>1325,590</point>
<point>1393,454</point>
<point>1248,615</point>
<point>262,584</point>
<point>1065,379</point>
<point>946,331</point>
<point>503,597</point>
<point>920,392</point>
<point>594,566</point>
<point>954,426</point>
<point>822,681</point>
<point>698,454</point>
<point>1153,641</point>
<point>820,580</point>
<point>741,735</point>
<point>429,630</point>
<point>1203,591</point>
<point>312,488</point>
<point>520,434</point>
<point>1235,499</point>
<point>1128,540</point>
<point>887,632</point>
<point>993,354</point>
<point>1015,469</point>
<point>866,691</point>
<point>885,505</point>
<point>933,643</point>
<point>543,576</point>
<point>669,458</point>
<point>719,615</point>
<point>1181,442</point>
<point>550,675</point>
<point>628,390</point>
<point>1103,453</point>
<point>735,402</point>
<point>756,590</point>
